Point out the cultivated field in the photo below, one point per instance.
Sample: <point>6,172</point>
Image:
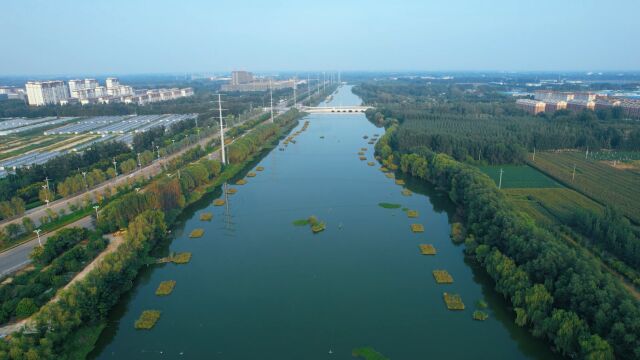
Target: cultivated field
<point>607,185</point>
<point>551,204</point>
<point>519,176</point>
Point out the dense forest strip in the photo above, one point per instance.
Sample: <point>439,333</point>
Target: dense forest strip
<point>82,308</point>
<point>559,292</point>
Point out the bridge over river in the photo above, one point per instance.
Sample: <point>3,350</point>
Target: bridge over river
<point>335,109</point>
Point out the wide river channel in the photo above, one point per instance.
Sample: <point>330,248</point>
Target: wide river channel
<point>258,287</point>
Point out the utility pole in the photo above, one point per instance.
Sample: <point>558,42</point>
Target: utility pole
<point>586,154</point>
<point>271,99</point>
<point>139,164</point>
<point>500,182</point>
<point>573,176</point>
<point>158,150</point>
<point>534,154</point>
<point>96,209</point>
<point>114,166</point>
<point>224,161</point>
<point>308,89</point>
<point>84,176</point>
<point>324,82</point>
<point>295,98</point>
<point>37,231</point>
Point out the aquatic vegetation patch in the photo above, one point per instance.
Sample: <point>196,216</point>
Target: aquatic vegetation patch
<point>206,216</point>
<point>301,222</point>
<point>147,319</point>
<point>251,174</point>
<point>389,205</point>
<point>480,315</point>
<point>442,277</point>
<point>316,225</point>
<point>181,258</point>
<point>399,182</point>
<point>371,163</point>
<point>367,353</point>
<point>218,202</point>
<point>363,149</point>
<point>453,301</point>
<point>482,304</point>
<point>383,169</point>
<point>361,153</point>
<point>412,213</point>
<point>427,249</point>
<point>406,192</point>
<point>241,182</point>
<point>363,158</point>
<point>390,175</point>
<point>165,288</point>
<point>196,233</point>
<point>232,191</point>
<point>260,168</point>
<point>417,228</point>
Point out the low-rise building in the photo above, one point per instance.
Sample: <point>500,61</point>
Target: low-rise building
<point>531,106</point>
<point>552,106</point>
<point>579,105</point>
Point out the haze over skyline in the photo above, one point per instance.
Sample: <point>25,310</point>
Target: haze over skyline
<point>125,37</point>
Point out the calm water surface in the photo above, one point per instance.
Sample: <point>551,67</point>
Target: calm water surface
<point>260,288</point>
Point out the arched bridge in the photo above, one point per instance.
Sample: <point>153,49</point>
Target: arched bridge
<point>335,109</point>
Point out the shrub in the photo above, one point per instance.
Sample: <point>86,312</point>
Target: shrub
<point>25,308</point>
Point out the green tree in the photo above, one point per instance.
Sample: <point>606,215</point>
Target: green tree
<point>25,308</point>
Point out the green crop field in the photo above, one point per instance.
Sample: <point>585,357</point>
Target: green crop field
<point>519,176</point>
<point>549,205</point>
<point>616,187</point>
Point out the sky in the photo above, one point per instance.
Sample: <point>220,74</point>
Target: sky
<point>187,36</point>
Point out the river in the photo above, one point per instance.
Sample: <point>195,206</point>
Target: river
<point>259,287</point>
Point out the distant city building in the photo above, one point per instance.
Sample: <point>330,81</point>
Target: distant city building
<point>549,95</point>
<point>531,106</point>
<point>41,93</point>
<point>241,77</point>
<point>12,93</point>
<point>259,86</point>
<point>155,95</point>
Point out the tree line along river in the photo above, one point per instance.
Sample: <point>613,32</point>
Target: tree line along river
<point>258,287</point>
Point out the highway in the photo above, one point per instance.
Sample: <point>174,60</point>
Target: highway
<point>18,257</point>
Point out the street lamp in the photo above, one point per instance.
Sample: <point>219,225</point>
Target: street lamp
<point>37,231</point>
<point>95,207</point>
<point>84,176</point>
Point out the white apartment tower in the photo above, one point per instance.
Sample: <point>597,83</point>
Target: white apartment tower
<point>40,93</point>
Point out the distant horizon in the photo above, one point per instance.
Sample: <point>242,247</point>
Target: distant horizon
<point>286,71</point>
<point>44,38</point>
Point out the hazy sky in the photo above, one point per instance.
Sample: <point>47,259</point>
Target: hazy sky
<point>148,36</point>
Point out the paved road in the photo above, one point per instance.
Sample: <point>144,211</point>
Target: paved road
<point>18,257</point>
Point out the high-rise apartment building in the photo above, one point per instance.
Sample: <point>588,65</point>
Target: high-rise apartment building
<point>241,77</point>
<point>41,93</point>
